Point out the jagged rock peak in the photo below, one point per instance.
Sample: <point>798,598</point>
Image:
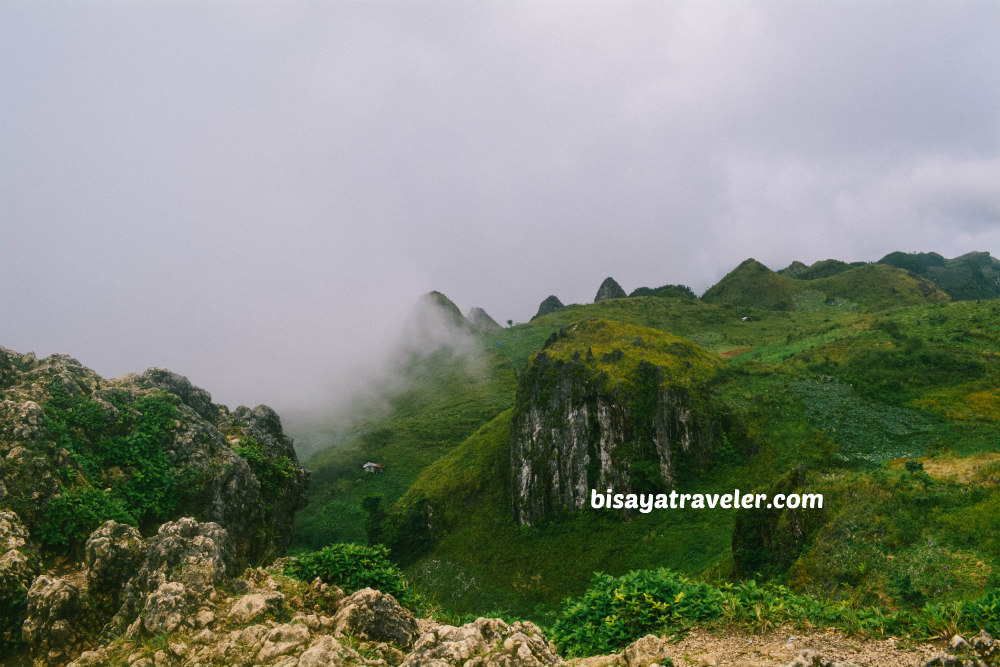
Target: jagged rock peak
<point>480,318</point>
<point>609,290</point>
<point>194,457</point>
<point>550,305</point>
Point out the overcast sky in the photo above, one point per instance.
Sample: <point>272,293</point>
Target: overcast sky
<point>254,193</point>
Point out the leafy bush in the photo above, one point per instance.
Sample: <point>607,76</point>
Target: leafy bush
<point>75,514</point>
<point>147,491</point>
<point>269,472</point>
<point>615,611</point>
<point>353,567</point>
<point>982,613</point>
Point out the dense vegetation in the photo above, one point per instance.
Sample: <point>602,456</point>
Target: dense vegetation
<point>126,474</point>
<point>859,382</point>
<point>615,611</point>
<point>353,567</point>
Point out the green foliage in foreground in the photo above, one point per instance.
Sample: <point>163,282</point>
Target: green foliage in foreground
<point>271,473</point>
<point>75,514</point>
<point>145,491</point>
<point>353,567</point>
<point>616,611</point>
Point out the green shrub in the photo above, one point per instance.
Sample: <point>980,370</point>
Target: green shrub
<point>983,613</point>
<point>353,567</point>
<point>147,490</point>
<point>615,611</point>
<point>271,473</point>
<point>76,513</point>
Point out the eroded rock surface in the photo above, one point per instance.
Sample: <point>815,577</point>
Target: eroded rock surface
<point>649,650</point>
<point>375,616</point>
<point>236,468</point>
<point>17,572</point>
<point>486,642</point>
<point>58,622</point>
<point>112,554</point>
<point>572,433</point>
<point>185,563</point>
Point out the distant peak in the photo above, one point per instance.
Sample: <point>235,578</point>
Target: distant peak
<point>751,263</point>
<point>550,305</point>
<point>609,290</point>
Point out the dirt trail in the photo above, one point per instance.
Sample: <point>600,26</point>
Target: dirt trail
<point>779,648</point>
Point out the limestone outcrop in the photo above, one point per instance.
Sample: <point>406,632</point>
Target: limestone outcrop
<point>623,419</point>
<point>140,449</point>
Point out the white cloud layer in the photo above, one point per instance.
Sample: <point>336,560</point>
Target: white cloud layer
<point>254,194</point>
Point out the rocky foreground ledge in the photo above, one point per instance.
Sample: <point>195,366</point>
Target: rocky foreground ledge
<point>172,600</point>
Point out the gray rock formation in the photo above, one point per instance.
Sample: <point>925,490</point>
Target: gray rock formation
<point>17,571</point>
<point>58,622</point>
<point>571,434</point>
<point>609,289</point>
<point>649,650</point>
<point>112,555</point>
<point>185,563</point>
<point>486,642</point>
<point>371,615</point>
<point>197,459</point>
<point>550,305</point>
<point>255,607</point>
<point>983,650</point>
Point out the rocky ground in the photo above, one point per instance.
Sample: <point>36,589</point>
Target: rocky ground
<point>171,601</point>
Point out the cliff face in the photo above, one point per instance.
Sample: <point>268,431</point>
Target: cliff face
<point>627,419</point>
<point>76,449</point>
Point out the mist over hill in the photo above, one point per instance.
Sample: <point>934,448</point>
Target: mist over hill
<point>836,370</point>
<point>472,454</point>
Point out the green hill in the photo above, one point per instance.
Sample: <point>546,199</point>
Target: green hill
<point>827,284</point>
<point>975,275</point>
<point>821,269</point>
<point>861,379</point>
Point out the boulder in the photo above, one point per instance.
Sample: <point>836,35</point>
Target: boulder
<point>188,560</point>
<point>168,608</point>
<point>649,650</point>
<point>371,615</point>
<point>282,640</point>
<point>486,642</point>
<point>325,651</point>
<point>256,607</point>
<point>112,554</point>
<point>58,621</point>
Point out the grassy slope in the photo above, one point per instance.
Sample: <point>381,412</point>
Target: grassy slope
<point>870,287</point>
<point>447,397</point>
<point>814,385</point>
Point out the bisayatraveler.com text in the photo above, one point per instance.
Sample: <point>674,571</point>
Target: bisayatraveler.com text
<point>647,502</point>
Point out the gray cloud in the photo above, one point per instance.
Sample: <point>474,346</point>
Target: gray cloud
<point>255,194</point>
